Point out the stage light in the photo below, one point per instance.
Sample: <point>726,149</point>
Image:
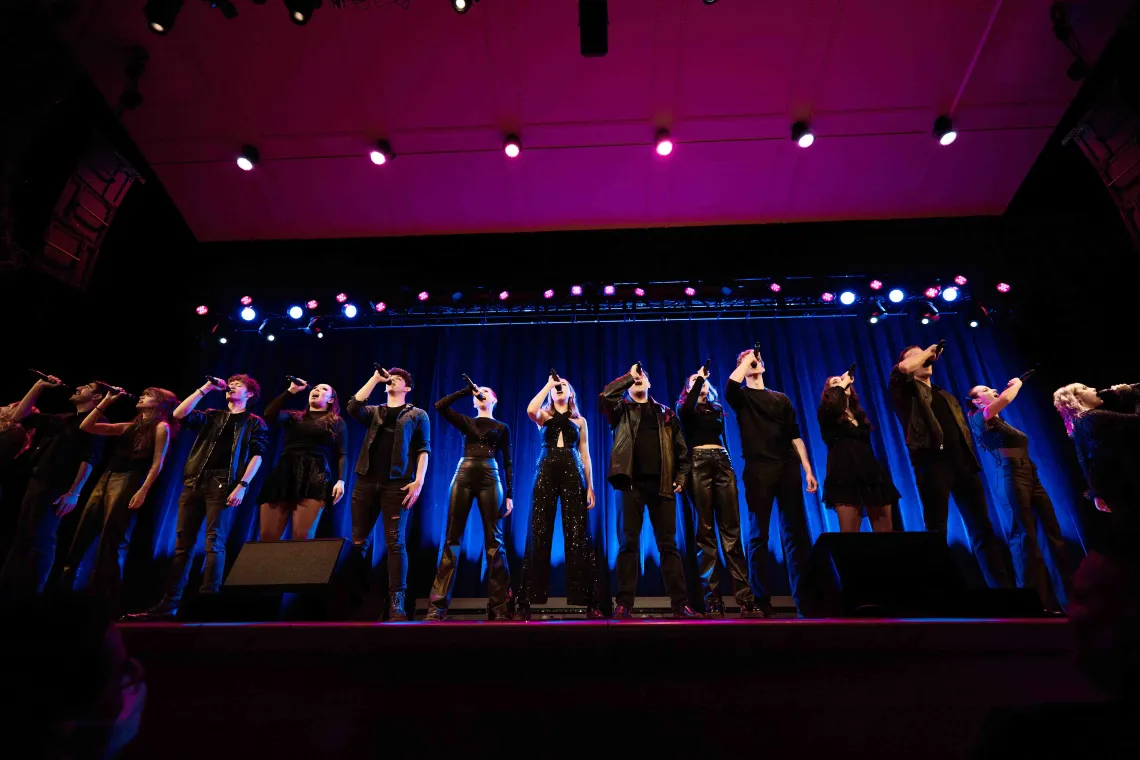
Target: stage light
<point>876,285</point>
<point>248,314</point>
<point>548,293</point>
<point>457,296</point>
<point>664,143</point>
<point>161,14</point>
<point>609,290</point>
<point>847,298</point>
<point>690,291</point>
<point>726,290</point>
<point>801,134</point>
<point>944,130</point>
<point>202,310</point>
<point>575,290</point>
<point>223,340</point>
<point>245,300</point>
<point>382,153</point>
<point>896,295</point>
<point>221,332</point>
<point>960,280</point>
<point>295,312</point>
<point>639,292</point>
<point>300,11</point>
<point>1003,287</point>
<point>341,297</point>
<point>249,158</point>
<point>461,6</point>
<point>775,287</point>
<point>312,305</point>
<point>827,297</point>
<point>924,312</point>
<point>316,327</point>
<point>975,315</point>
<point>874,312</point>
<point>379,307</point>
<point>512,147</point>
<point>504,295</point>
<point>950,294</point>
<point>422,295</point>
<point>349,310</point>
<point>709,2</point>
<point>268,329</point>
<point>932,291</point>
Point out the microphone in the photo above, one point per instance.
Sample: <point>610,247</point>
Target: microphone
<point>1109,391</point>
<point>383,372</point>
<point>216,380</point>
<point>755,354</point>
<point>851,370</point>
<point>1026,375</point>
<point>123,393</point>
<point>43,376</point>
<point>474,388</point>
<point>640,369</point>
<point>296,380</point>
<point>558,386</point>
<point>705,366</point>
<point>937,353</point>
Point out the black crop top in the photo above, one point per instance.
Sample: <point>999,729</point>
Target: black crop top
<point>125,457</point>
<point>834,425</point>
<point>560,422</point>
<point>483,436</point>
<point>995,433</point>
<point>306,432</point>
<point>702,424</point>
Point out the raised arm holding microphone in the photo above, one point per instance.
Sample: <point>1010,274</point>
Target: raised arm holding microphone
<point>942,454</point>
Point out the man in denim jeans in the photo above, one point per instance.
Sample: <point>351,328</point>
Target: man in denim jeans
<point>390,475</point>
<point>226,455</point>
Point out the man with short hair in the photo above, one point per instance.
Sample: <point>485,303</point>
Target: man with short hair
<point>224,459</point>
<point>390,475</point>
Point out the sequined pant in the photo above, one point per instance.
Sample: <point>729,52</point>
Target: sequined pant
<point>560,476</point>
<point>476,479</point>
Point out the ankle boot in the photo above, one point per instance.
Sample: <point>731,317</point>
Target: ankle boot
<point>164,611</point>
<point>396,612</point>
<point>714,608</point>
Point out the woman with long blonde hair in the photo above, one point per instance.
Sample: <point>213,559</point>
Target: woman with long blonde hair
<point>1107,440</point>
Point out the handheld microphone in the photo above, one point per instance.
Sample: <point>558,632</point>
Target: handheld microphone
<point>1026,375</point>
<point>216,380</point>
<point>558,386</point>
<point>755,354</point>
<point>1109,391</point>
<point>937,353</point>
<point>474,388</point>
<point>123,393</point>
<point>705,366</point>
<point>640,369</point>
<point>851,370</point>
<point>383,372</point>
<point>296,381</point>
<point>43,376</point>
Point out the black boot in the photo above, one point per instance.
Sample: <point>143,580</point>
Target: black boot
<point>165,611</point>
<point>714,607</point>
<point>435,615</point>
<point>758,608</point>
<point>682,611</point>
<point>396,612</point>
<point>622,612</point>
<point>593,613</point>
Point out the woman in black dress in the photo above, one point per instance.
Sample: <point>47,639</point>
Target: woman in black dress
<point>477,479</point>
<point>1105,428</point>
<point>856,482</point>
<point>302,482</point>
<point>563,472</point>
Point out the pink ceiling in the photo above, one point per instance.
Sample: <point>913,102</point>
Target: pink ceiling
<point>727,80</point>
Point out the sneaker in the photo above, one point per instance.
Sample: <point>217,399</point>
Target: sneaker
<point>685,612</point>
<point>714,608</point>
<point>622,612</point>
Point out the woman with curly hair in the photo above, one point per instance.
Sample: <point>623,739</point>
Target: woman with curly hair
<point>1105,429</point>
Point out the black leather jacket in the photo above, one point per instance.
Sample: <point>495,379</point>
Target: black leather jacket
<point>413,435</point>
<point>250,440</point>
<point>624,417</point>
<point>917,418</point>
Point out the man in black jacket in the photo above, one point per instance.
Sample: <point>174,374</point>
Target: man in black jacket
<point>942,454</point>
<point>390,475</point>
<point>648,465</point>
<point>224,459</point>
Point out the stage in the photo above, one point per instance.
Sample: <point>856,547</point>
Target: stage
<point>891,688</point>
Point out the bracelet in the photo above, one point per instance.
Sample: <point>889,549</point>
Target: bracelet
<point>243,483</point>
<point>199,390</point>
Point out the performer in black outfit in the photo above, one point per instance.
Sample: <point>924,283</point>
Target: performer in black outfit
<point>390,475</point>
<point>302,482</point>
<point>1027,498</point>
<point>648,465</point>
<point>855,482</point>
<point>773,456</point>
<point>942,454</point>
<point>15,439</point>
<point>564,471</point>
<point>1105,428</point>
<point>132,470</point>
<point>60,461</point>
<point>477,479</point>
<point>225,457</point>
<point>712,487</point>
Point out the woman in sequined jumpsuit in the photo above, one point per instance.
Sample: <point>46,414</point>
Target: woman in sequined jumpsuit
<point>563,472</point>
<point>476,480</point>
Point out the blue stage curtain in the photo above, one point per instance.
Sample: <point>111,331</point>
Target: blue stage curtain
<point>514,360</point>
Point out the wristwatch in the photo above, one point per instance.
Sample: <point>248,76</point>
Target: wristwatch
<point>243,483</point>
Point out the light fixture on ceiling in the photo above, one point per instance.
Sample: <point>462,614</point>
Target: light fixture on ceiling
<point>802,134</point>
<point>944,130</point>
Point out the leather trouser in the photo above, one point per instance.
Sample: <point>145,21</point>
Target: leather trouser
<point>712,488</point>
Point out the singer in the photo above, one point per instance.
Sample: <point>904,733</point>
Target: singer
<point>224,458</point>
<point>302,482</point>
<point>942,455</point>
<point>390,475</point>
<point>476,479</point>
<point>1107,443</point>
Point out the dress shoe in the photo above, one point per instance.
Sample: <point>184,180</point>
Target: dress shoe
<point>752,609</point>
<point>593,613</point>
<point>396,612</point>
<point>622,612</point>
<point>714,608</point>
<point>435,615</point>
<point>685,612</point>
<point>163,612</point>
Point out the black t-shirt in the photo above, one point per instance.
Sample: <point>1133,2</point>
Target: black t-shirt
<point>954,445</point>
<point>647,446</point>
<point>767,422</point>
<point>60,446</point>
<point>380,455</point>
<point>224,447</point>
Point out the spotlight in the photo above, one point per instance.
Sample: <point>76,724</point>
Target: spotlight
<point>512,147</point>
<point>944,130</point>
<point>874,312</point>
<point>609,290</point>
<point>802,135</point>
<point>268,329</point>
<point>341,297</point>
<point>202,310</point>
<point>382,153</point>
<point>249,158</point>
<point>639,292</point>
<point>847,298</point>
<point>775,287</point>
<point>876,284</point>
<point>461,6</point>
<point>221,332</point>
<point>295,312</point>
<point>575,290</point>
<point>270,337</point>
<point>422,295</point>
<point>1003,287</point>
<point>950,294</point>
<point>312,305</point>
<point>726,290</point>
<point>248,314</point>
<point>316,327</point>
<point>975,315</point>
<point>709,2</point>
<point>300,11</point>
<point>924,313</point>
<point>896,295</point>
<point>161,14</point>
<point>504,295</point>
<point>690,291</point>
<point>960,280</point>
<point>349,310</point>
<point>457,296</point>
<point>548,293</point>
<point>379,307</point>
<point>226,7</point>
<point>827,297</point>
<point>932,291</point>
<point>664,144</point>
<point>246,300</point>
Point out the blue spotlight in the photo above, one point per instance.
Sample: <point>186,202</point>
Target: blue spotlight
<point>896,295</point>
<point>248,314</point>
<point>349,310</point>
<point>296,312</point>
<point>847,298</point>
<point>950,294</point>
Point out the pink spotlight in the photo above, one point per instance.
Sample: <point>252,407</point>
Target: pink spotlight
<point>576,290</point>
<point>202,310</point>
<point>639,292</point>
<point>1003,287</point>
<point>960,280</point>
<point>690,291</point>
<point>932,291</point>
<point>827,297</point>
<point>422,295</point>
<point>512,147</point>
<point>504,295</point>
<point>548,293</point>
<point>775,287</point>
<point>312,305</point>
<point>380,306</point>
<point>341,297</point>
<point>246,300</point>
<point>876,285</point>
<point>664,143</point>
<point>609,290</point>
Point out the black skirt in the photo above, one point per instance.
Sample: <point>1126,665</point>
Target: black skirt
<point>855,477</point>
<point>298,475</point>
